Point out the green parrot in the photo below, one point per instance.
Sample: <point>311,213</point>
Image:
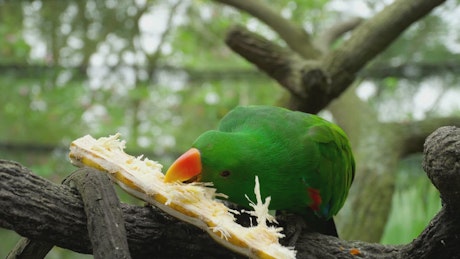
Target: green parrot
<point>303,162</point>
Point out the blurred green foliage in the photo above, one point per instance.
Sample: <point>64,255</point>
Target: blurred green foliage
<point>415,202</point>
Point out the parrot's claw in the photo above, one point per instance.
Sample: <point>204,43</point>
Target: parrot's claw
<point>293,226</point>
<point>299,225</point>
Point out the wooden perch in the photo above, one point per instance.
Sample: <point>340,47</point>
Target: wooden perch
<point>55,214</point>
<point>105,221</point>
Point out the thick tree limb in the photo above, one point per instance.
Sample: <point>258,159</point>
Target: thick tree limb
<point>105,221</point>
<point>39,209</point>
<point>315,82</point>
<point>283,65</point>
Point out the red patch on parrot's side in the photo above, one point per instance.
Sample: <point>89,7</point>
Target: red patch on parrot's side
<point>316,197</point>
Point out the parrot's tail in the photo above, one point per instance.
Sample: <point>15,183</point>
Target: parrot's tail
<point>328,228</point>
<point>320,225</point>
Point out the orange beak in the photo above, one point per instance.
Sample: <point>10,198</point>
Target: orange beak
<point>186,167</point>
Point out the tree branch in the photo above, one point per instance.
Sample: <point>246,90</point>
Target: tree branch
<point>105,221</point>
<point>276,61</point>
<point>39,209</point>
<point>315,82</point>
<point>330,35</point>
<point>442,153</point>
<point>29,249</point>
<point>294,36</point>
<point>371,38</point>
<point>376,34</point>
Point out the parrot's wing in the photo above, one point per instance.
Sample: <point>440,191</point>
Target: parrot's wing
<point>325,148</point>
<point>335,167</point>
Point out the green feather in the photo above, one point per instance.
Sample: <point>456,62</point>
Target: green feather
<point>294,154</point>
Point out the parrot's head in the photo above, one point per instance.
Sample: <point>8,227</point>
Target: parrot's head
<point>217,157</point>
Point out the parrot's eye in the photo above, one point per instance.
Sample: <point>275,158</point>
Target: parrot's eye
<point>225,173</point>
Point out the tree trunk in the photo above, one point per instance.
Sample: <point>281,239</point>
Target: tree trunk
<point>367,208</point>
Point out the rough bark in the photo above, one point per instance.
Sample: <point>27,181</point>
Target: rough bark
<point>39,209</point>
<point>105,221</point>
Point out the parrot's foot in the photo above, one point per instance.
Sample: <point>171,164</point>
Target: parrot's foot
<point>299,225</point>
<point>293,227</point>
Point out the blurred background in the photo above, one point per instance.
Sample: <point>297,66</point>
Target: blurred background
<point>160,73</point>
